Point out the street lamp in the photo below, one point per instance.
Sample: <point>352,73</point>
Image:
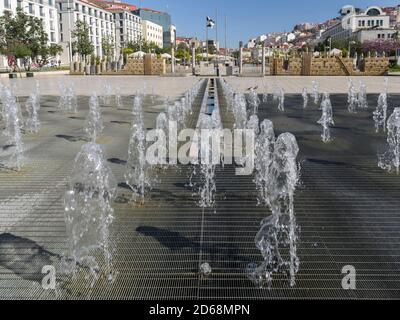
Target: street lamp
<point>69,30</point>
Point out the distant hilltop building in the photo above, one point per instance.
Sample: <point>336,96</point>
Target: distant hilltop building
<point>362,25</point>
<point>352,23</point>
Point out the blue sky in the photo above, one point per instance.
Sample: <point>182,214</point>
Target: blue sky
<point>247,19</point>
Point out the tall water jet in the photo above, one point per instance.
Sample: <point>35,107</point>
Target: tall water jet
<point>94,122</point>
<point>68,101</point>
<point>352,97</point>
<point>253,101</point>
<point>162,125</point>
<point>240,111</point>
<point>13,121</point>
<point>279,96</point>
<point>390,160</point>
<point>278,236</point>
<point>106,95</point>
<point>326,120</point>
<point>362,96</point>
<point>253,124</point>
<point>32,106</point>
<point>264,149</point>
<point>88,212</point>
<point>207,187</point>
<point>315,92</point>
<point>118,98</point>
<point>380,114</point>
<point>304,94</point>
<point>137,174</point>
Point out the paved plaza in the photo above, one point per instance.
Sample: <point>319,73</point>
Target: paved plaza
<point>347,208</point>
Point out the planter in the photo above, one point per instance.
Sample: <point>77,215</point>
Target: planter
<point>92,69</point>
<point>98,69</point>
<point>12,75</point>
<point>29,74</point>
<point>87,70</point>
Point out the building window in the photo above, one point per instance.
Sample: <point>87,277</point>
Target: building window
<point>51,2</point>
<point>52,37</point>
<point>51,14</point>
<point>31,8</point>
<point>381,23</point>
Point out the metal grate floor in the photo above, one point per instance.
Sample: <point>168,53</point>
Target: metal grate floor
<point>347,208</point>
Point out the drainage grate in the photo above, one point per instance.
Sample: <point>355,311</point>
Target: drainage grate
<point>347,208</point>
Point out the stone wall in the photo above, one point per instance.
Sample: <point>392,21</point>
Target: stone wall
<point>294,66</point>
<point>308,65</point>
<point>134,66</point>
<point>375,66</point>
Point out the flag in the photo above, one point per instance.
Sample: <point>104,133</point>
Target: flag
<point>210,23</point>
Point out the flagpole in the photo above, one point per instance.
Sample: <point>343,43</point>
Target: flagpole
<point>226,36</point>
<point>216,35</point>
<point>207,42</point>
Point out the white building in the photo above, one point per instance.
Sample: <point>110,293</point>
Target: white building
<point>100,21</point>
<point>42,9</point>
<point>128,27</point>
<point>371,24</point>
<point>152,33</point>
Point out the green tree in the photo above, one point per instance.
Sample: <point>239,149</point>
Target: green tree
<point>81,43</point>
<point>49,52</point>
<point>22,37</point>
<point>108,46</point>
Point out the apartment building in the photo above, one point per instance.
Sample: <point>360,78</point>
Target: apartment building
<point>152,33</point>
<point>100,21</point>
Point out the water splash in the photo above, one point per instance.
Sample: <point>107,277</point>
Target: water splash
<point>94,122</point>
<point>13,121</point>
<point>264,149</point>
<point>304,94</point>
<point>253,124</point>
<point>327,119</point>
<point>390,160</point>
<point>162,125</point>
<point>68,100</point>
<point>253,101</point>
<point>352,97</point>
<point>88,212</point>
<point>278,236</point>
<point>362,96</point>
<point>118,98</point>
<point>32,106</point>
<point>315,92</point>
<point>106,95</point>
<point>207,187</point>
<point>380,114</point>
<point>240,111</point>
<point>137,174</point>
<point>279,96</point>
